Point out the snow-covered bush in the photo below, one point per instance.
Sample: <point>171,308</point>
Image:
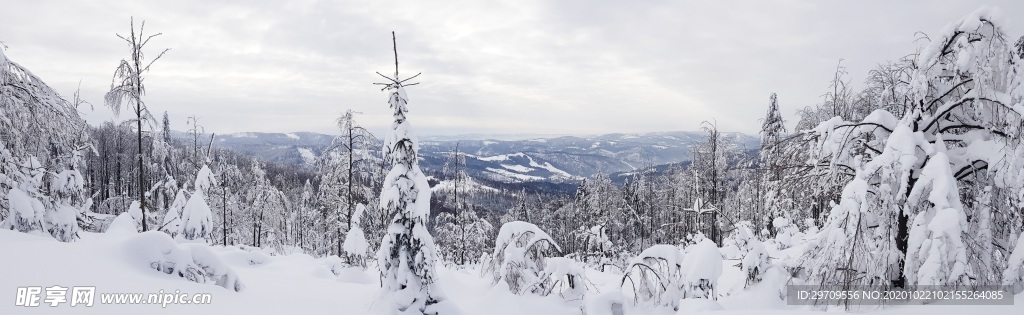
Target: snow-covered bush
<point>62,222</point>
<point>332,263</point>
<point>655,277</point>
<point>26,212</point>
<point>196,218</point>
<point>785,230</point>
<point>172,219</point>
<point>194,262</point>
<point>127,222</point>
<point>810,228</point>
<point>355,245</point>
<point>567,278</point>
<point>519,257</point>
<point>754,256</point>
<point>597,241</point>
<point>204,179</point>
<point>701,267</point>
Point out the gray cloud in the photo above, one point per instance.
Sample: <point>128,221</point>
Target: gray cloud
<point>548,67</point>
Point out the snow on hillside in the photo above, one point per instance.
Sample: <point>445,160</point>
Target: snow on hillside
<point>527,169</point>
<point>505,174</point>
<point>469,185</point>
<point>292,136</point>
<point>300,284</point>
<point>517,168</point>
<point>552,169</point>
<point>503,157</point>
<point>307,155</point>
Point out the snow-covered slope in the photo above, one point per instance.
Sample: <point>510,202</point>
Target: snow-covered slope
<point>289,284</point>
<point>300,284</point>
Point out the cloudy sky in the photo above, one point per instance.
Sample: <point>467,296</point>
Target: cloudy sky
<point>494,67</point>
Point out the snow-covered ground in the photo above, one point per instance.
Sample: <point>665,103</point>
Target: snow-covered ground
<point>301,284</point>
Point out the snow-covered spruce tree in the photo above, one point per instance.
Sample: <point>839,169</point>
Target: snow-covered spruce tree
<point>172,220</point>
<point>196,216</point>
<point>407,253</point>
<point>769,195</point>
<point>127,87</point>
<point>355,245</point>
<point>67,193</point>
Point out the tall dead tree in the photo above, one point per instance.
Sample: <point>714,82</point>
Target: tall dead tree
<point>127,88</point>
<point>456,165</point>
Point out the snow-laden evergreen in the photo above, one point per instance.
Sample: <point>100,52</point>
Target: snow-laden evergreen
<point>196,216</point>
<point>172,223</point>
<point>407,253</point>
<point>355,241</point>
<point>26,212</point>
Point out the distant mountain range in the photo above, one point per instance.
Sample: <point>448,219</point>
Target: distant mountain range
<point>501,158</point>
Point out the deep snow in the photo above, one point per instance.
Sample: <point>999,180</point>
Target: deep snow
<point>301,284</point>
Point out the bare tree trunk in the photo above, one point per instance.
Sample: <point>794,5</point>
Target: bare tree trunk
<point>224,213</point>
<point>458,213</point>
<point>142,190</point>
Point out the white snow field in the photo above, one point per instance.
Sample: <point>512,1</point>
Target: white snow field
<point>300,284</point>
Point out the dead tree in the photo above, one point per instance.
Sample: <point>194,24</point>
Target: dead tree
<point>127,88</point>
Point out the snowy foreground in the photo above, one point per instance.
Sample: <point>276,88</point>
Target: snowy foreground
<point>300,284</point>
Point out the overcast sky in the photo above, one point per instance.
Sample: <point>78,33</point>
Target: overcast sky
<point>495,67</point>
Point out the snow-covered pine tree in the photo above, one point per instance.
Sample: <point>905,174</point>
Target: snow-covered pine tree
<point>196,216</point>
<point>773,131</point>
<point>407,253</point>
<point>172,219</point>
<point>769,194</point>
<point>355,245</point>
<point>127,87</point>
